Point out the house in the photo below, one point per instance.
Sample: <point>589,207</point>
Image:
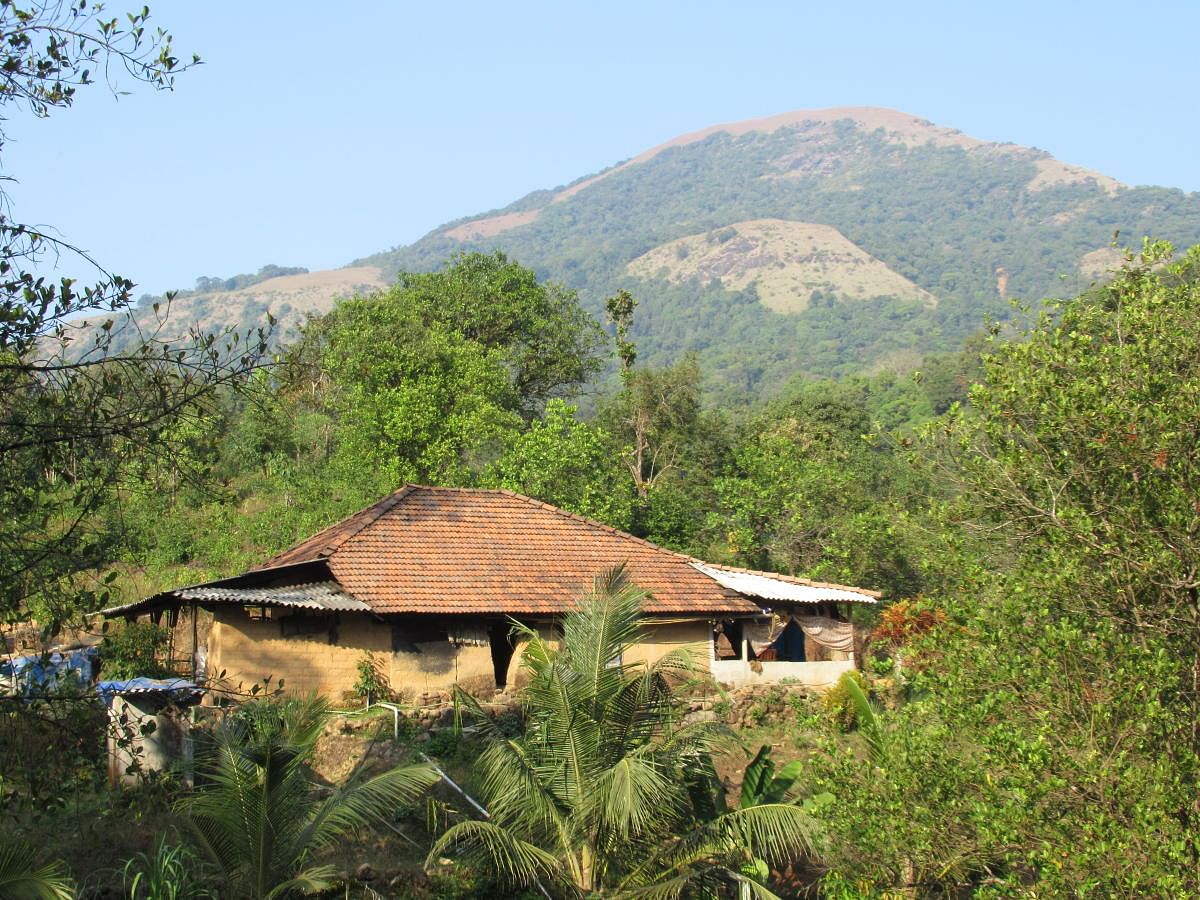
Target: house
<point>430,579</point>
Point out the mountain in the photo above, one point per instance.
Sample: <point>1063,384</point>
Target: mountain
<point>821,242</point>
<point>824,242</point>
<point>218,305</point>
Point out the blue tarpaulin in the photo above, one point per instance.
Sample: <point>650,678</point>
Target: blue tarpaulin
<point>45,670</point>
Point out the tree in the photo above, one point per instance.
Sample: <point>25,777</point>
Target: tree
<point>1086,441</point>
<point>804,493</point>
<point>654,416</point>
<point>569,463</point>
<point>604,792</point>
<point>76,420</point>
<point>1049,744</point>
<point>259,816</point>
<point>414,400</point>
<point>620,309</point>
<point>548,344</point>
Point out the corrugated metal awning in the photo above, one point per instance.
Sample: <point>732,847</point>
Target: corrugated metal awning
<point>764,587</point>
<point>327,595</point>
<point>318,595</point>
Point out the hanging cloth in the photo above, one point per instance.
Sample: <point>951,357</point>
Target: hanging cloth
<point>829,633</point>
<point>761,635</point>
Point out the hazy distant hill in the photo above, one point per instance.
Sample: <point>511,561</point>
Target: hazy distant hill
<point>824,241</point>
<point>288,298</point>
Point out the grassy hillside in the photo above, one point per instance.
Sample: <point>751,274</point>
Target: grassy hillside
<point>785,262</point>
<point>289,299</point>
<point>967,224</point>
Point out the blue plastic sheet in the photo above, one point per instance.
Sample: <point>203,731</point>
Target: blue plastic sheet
<point>46,671</point>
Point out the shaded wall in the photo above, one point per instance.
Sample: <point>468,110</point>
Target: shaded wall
<point>419,654</point>
<point>661,638</point>
<point>326,660</point>
<point>136,747</point>
<point>248,650</point>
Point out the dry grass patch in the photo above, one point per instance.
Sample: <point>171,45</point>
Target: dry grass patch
<point>786,261</point>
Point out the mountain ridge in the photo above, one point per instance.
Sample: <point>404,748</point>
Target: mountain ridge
<point>904,126</point>
<point>950,227</point>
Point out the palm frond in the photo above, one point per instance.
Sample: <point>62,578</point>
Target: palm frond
<point>868,720</point>
<point>779,833</point>
<point>21,878</point>
<point>699,882</point>
<point>595,634</point>
<point>313,880</point>
<point>633,797</point>
<point>257,816</point>
<point>491,848</point>
<point>356,805</point>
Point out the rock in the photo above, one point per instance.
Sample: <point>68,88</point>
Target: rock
<point>423,737</point>
<point>365,872</point>
<point>703,715</point>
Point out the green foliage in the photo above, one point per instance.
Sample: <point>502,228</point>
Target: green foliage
<point>808,490</point>
<point>843,702</point>
<point>602,791</point>
<point>21,878</point>
<point>620,309</point>
<point>761,783</point>
<point>79,421</point>
<point>258,815</point>
<point>569,463</point>
<point>372,683</point>
<point>547,343</point>
<point>132,650</point>
<point>1051,743</point>
<point>170,873</point>
<point>414,402</point>
<point>208,284</point>
<point>52,751</point>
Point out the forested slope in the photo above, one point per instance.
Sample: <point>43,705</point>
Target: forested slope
<point>971,223</point>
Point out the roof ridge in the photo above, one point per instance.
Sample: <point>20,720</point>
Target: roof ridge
<point>566,513</point>
<point>376,511</point>
<point>533,501</point>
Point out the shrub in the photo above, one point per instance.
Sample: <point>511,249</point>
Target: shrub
<point>171,873</point>
<point>372,681</point>
<point>905,620</point>
<point>839,704</point>
<point>132,651</point>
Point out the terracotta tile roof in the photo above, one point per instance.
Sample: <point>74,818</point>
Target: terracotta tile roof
<point>456,550</point>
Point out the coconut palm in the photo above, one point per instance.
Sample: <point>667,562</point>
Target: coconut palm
<point>600,792</point>
<point>259,816</point>
<point>22,879</point>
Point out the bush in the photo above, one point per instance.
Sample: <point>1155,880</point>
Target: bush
<point>132,651</point>
<point>838,703</point>
<point>171,873</point>
<point>372,682</point>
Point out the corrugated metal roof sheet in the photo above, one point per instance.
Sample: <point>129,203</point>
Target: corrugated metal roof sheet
<point>323,595</point>
<point>765,587</point>
<point>178,690</point>
<point>326,595</point>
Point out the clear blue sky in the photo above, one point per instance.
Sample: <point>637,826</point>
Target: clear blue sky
<point>315,133</point>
